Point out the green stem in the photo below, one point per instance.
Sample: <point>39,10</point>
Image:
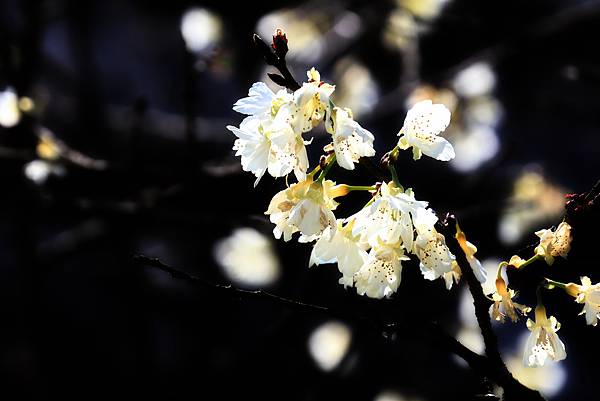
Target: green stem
<point>530,260</point>
<point>330,164</point>
<point>500,266</point>
<point>361,187</point>
<point>395,177</point>
<point>551,284</point>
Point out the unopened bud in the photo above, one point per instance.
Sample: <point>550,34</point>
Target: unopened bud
<point>280,43</point>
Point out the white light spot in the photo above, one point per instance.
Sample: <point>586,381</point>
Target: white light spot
<point>329,343</point>
<point>348,26</point>
<point>201,29</point>
<point>38,171</point>
<point>248,258</point>
<point>9,108</point>
<point>475,80</point>
<point>475,147</point>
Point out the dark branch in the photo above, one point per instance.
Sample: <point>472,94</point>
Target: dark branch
<point>276,59</point>
<point>496,369</point>
<point>477,362</point>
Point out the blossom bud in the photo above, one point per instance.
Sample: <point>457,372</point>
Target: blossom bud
<point>280,43</point>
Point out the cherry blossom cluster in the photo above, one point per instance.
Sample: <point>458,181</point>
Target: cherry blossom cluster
<point>543,343</point>
<point>369,246</point>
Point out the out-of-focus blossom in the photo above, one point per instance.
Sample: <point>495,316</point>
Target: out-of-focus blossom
<point>355,87</point>
<point>476,80</point>
<point>304,28</point>
<point>534,200</point>
<point>548,379</point>
<point>471,338</point>
<point>201,30</point>
<point>39,171</point>
<point>329,343</point>
<point>422,126</point>
<point>554,243</point>
<point>589,295</point>
<point>408,19</point>
<point>248,258</point>
<point>543,342</point>
<point>392,395</point>
<point>423,9</point>
<point>48,148</point>
<point>10,115</point>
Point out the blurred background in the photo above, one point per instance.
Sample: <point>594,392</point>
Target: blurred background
<point>113,143</point>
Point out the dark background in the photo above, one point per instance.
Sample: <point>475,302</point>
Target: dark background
<point>113,80</point>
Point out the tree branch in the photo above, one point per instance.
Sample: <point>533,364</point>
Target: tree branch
<point>482,365</point>
<point>497,370</point>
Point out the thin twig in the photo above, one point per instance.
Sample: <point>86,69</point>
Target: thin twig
<point>477,362</point>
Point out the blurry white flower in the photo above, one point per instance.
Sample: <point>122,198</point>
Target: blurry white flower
<point>476,80</point>
<point>474,146</point>
<point>38,170</point>
<point>534,201</point>
<point>350,140</point>
<point>380,275</point>
<point>248,258</point>
<point>589,295</point>
<point>554,243</point>
<point>329,343</point>
<point>10,115</point>
<point>543,342</point>
<point>424,9</point>
<point>201,29</point>
<point>344,248</point>
<point>355,86</point>
<point>422,126</point>
<point>471,338</point>
<point>304,207</point>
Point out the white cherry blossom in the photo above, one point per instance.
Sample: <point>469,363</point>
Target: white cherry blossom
<point>433,253</point>
<point>261,100</point>
<point>350,140</point>
<point>270,145</point>
<point>422,126</point>
<point>305,207</point>
<point>342,248</point>
<point>554,243</point>
<point>589,295</point>
<point>312,101</point>
<point>543,342</point>
<point>380,275</point>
